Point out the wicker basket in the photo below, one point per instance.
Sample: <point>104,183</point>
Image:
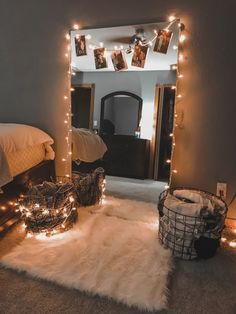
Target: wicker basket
<point>189,236</point>
<point>89,187</point>
<point>49,208</point>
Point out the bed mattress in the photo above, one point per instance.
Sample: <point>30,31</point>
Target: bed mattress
<point>23,160</point>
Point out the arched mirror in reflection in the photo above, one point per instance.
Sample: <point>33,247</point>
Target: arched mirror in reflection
<point>121,113</point>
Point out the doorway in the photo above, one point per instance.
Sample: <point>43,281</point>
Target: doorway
<point>82,103</point>
<point>163,127</point>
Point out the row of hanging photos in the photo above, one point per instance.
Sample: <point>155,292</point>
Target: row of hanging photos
<point>140,50</point>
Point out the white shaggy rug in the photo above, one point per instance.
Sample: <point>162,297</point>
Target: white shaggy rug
<point>112,251</point>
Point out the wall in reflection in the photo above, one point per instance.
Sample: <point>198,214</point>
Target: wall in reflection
<point>140,83</point>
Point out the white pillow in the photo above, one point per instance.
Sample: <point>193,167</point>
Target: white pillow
<point>14,137</point>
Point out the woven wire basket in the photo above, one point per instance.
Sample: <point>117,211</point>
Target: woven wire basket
<point>89,187</point>
<point>49,208</point>
<point>182,234</point>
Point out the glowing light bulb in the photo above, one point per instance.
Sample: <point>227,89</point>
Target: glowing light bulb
<point>180,76</point>
<point>173,87</point>
<point>65,121</point>
<point>179,96</point>
<point>171,18</point>
<point>181,57</point>
<point>75,26</point>
<point>72,89</point>
<point>232,244</point>
<point>182,38</point>
<point>174,67</point>
<point>63,159</point>
<point>171,134</point>
<point>166,187</point>
<point>71,198</point>
<point>69,153</point>
<point>150,43</point>
<point>175,47</point>
<point>174,171</point>
<point>168,161</point>
<point>67,36</point>
<point>65,97</point>
<point>88,36</point>
<point>223,239</point>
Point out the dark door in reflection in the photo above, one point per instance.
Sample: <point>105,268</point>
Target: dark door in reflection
<point>165,147</point>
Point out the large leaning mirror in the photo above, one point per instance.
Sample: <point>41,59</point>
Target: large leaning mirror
<point>123,95</point>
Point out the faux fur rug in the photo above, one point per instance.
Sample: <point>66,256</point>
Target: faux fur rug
<point>112,251</point>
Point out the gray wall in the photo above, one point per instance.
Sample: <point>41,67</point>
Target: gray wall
<point>33,80</point>
<point>140,83</point>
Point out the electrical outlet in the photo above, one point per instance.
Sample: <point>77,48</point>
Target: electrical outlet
<point>95,123</point>
<point>221,190</point>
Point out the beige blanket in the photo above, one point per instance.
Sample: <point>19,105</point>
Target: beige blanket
<point>87,146</point>
<point>5,174</point>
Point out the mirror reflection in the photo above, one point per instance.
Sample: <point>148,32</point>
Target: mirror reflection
<point>123,100</point>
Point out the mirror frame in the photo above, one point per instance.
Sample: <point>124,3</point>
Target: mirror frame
<point>103,99</point>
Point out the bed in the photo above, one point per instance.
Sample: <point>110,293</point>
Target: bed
<point>26,157</point>
<point>22,147</point>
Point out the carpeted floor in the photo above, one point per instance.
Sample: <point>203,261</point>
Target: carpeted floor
<point>196,287</point>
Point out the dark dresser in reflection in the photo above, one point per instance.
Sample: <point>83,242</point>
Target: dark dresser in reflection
<point>127,156</point>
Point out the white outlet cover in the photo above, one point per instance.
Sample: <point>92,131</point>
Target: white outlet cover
<point>221,189</point>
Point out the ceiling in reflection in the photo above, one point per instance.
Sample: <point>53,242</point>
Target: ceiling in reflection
<point>119,38</point>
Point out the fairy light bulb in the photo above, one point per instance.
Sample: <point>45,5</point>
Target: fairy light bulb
<point>180,76</point>
<point>76,26</point>
<point>65,97</point>
<point>175,47</point>
<point>223,239</point>
<point>173,87</point>
<point>232,244</point>
<point>155,31</point>
<point>88,36</point>
<point>174,171</point>
<point>181,57</point>
<point>179,96</point>
<point>168,161</point>
<point>63,159</point>
<point>171,18</point>
<point>171,134</point>
<point>67,36</point>
<point>182,38</point>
